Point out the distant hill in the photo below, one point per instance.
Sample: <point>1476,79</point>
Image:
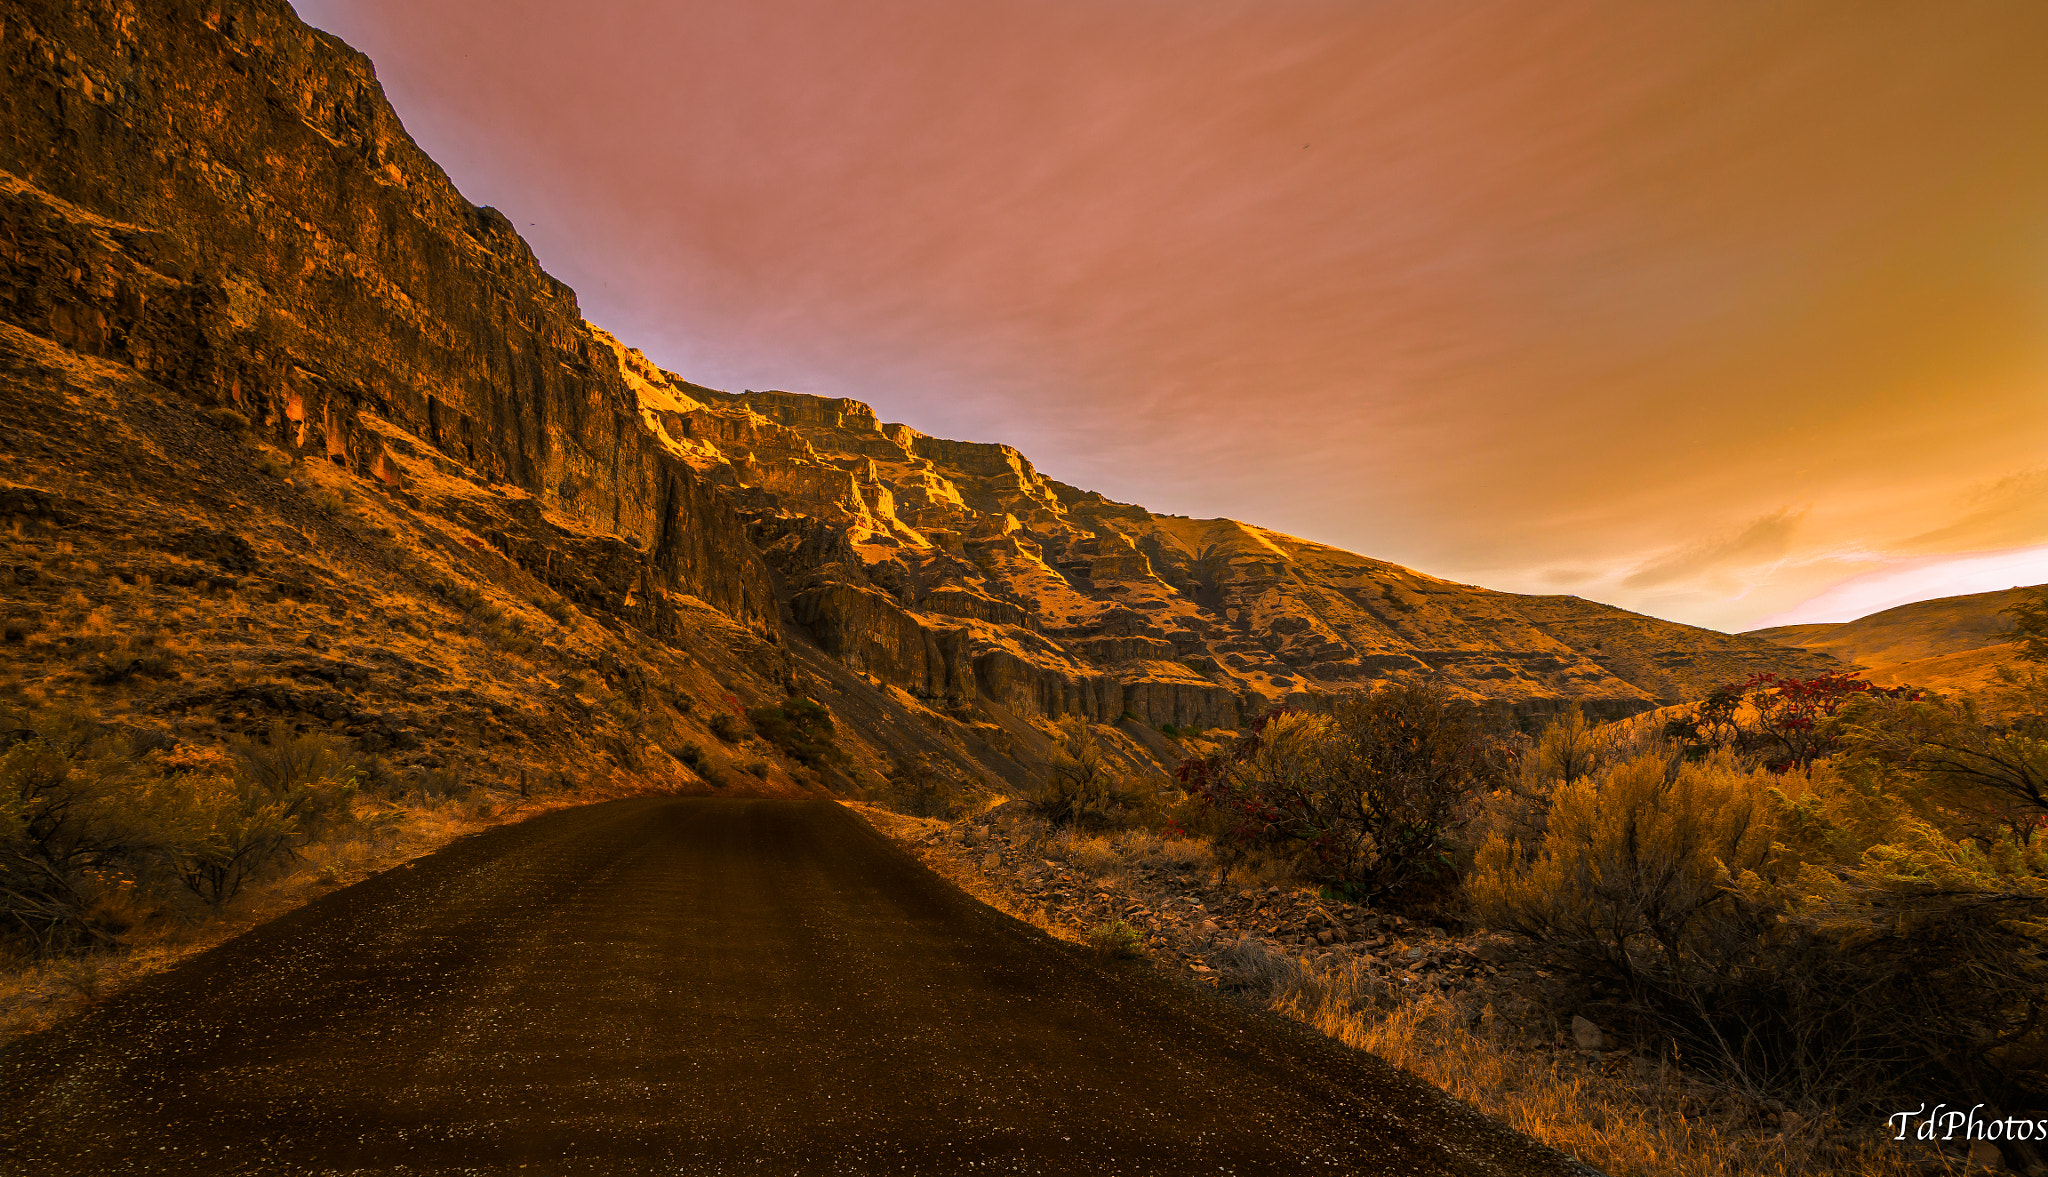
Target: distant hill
<point>1950,643</point>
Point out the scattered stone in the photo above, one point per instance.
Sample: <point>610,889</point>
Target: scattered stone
<point>1587,1035</point>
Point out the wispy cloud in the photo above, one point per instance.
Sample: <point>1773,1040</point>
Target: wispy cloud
<point>1764,540</point>
<point>2009,512</point>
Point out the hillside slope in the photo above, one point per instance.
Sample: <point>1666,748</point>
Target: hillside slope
<point>295,431</point>
<point>1949,643</point>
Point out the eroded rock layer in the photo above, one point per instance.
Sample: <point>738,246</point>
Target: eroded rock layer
<point>957,569</point>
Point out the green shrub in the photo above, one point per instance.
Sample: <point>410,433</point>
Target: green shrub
<point>922,786</point>
<point>692,754</point>
<point>802,728</point>
<point>375,778</point>
<point>1116,940</point>
<point>271,463</point>
<point>1632,871</point>
<point>1370,799</point>
<point>446,784</point>
<point>461,596</point>
<point>108,669</point>
<point>74,811</point>
<point>1813,934</point>
<point>222,831</point>
<point>312,776</point>
<point>728,727</point>
<point>229,419</point>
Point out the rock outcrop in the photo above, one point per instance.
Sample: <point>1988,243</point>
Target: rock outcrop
<point>1054,600</point>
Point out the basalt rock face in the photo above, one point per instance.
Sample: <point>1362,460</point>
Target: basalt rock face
<point>1051,600</point>
<point>237,303</point>
<point>291,432</point>
<point>219,196</point>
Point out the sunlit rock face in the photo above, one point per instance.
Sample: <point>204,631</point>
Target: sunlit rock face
<point>217,200</point>
<point>220,196</point>
<point>965,572</point>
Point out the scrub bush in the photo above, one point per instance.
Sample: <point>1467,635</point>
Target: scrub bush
<point>1082,788</point>
<point>800,727</point>
<point>1822,934</point>
<point>1367,800</point>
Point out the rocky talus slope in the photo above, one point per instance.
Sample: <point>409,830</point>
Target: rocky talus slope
<point>1185,911</point>
<point>292,430</point>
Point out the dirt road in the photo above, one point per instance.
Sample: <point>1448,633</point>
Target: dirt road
<point>698,986</point>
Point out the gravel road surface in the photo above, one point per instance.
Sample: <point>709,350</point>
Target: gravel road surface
<point>699,986</point>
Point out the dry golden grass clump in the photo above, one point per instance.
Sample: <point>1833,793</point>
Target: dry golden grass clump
<point>1625,1115</point>
<point>124,853</point>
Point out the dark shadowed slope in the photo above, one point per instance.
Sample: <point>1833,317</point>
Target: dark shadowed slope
<point>702,986</point>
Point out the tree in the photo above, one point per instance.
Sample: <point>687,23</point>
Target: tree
<point>2030,624</point>
<point>2001,768</point>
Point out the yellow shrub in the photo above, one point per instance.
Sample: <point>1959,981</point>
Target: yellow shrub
<point>1631,861</point>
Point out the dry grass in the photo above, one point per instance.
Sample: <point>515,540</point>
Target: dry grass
<point>925,836</point>
<point>1097,856</point>
<point>1260,870</point>
<point>36,993</point>
<point>1113,859</point>
<point>1623,1115</point>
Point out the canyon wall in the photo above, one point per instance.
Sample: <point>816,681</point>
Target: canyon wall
<point>217,199</point>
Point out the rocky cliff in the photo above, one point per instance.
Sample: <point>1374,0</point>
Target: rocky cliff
<point>957,570</point>
<point>285,409</point>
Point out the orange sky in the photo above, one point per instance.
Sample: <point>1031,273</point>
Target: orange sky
<point>1729,312</point>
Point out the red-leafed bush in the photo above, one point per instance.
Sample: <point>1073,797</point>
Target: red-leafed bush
<point>1786,727</point>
